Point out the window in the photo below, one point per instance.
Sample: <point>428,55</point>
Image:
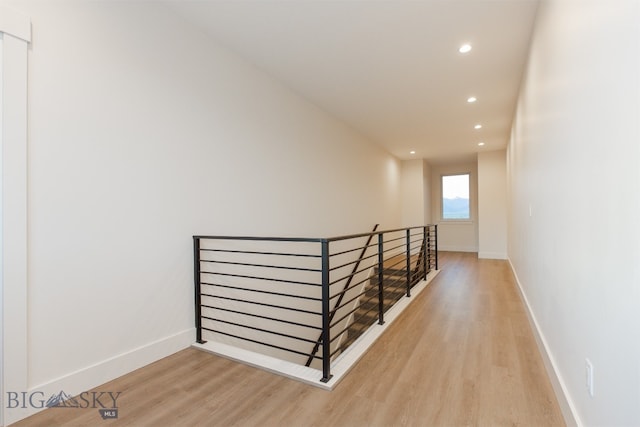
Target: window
<point>455,197</point>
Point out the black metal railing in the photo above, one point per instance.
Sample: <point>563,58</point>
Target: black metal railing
<point>290,296</point>
<point>338,303</point>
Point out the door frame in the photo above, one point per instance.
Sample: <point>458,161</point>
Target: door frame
<point>15,35</point>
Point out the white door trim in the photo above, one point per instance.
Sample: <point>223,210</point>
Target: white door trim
<point>15,31</point>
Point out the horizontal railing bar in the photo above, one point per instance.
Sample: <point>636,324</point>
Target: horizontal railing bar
<point>394,247</point>
<point>264,304</point>
<point>373,245</point>
<point>265,239</point>
<point>349,275</point>
<point>347,329</point>
<point>261,291</point>
<point>314,270</point>
<point>363,315</point>
<point>390,267</point>
<point>262,317</point>
<point>353,262</point>
<point>312,239</point>
<point>392,283</point>
<point>336,322</point>
<point>352,299</point>
<point>259,342</point>
<point>393,240</point>
<point>243,276</point>
<point>375,233</point>
<point>253,328</point>
<point>260,253</point>
<point>338,335</point>
<point>371,297</point>
<point>349,288</point>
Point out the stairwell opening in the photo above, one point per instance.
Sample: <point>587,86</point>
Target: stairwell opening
<point>273,302</point>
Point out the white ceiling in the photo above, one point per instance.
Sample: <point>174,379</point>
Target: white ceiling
<point>390,69</point>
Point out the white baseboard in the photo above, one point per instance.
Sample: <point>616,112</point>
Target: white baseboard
<point>454,248</point>
<point>567,407</point>
<point>102,372</point>
<point>492,255</point>
<point>339,367</point>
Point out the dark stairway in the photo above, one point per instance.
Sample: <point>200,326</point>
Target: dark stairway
<point>394,279</point>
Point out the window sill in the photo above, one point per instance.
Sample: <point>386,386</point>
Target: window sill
<point>455,222</point>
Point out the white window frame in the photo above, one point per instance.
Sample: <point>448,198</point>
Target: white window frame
<point>455,220</point>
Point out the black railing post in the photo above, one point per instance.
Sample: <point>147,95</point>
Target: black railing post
<point>425,248</point>
<point>435,227</point>
<point>326,335</point>
<point>196,282</point>
<point>338,303</point>
<point>429,246</point>
<point>380,279</point>
<point>408,262</point>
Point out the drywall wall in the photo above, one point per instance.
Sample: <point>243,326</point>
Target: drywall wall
<point>455,235</point>
<point>143,132</point>
<point>415,183</point>
<point>574,202</point>
<point>426,179</point>
<point>492,204</point>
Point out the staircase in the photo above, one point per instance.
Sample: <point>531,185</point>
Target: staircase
<point>394,280</point>
<point>286,291</point>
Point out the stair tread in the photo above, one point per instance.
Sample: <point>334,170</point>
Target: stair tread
<point>395,288</point>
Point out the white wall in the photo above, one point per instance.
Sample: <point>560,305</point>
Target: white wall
<point>143,132</point>
<point>455,235</point>
<point>415,190</point>
<point>426,179</point>
<point>492,204</point>
<point>574,175</point>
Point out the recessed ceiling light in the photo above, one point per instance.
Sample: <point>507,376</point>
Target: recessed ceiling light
<point>412,152</point>
<point>472,99</point>
<point>465,48</point>
<point>478,126</point>
<point>480,144</point>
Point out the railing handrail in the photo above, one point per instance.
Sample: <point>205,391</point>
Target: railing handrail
<point>310,239</point>
<point>393,230</point>
<point>265,238</point>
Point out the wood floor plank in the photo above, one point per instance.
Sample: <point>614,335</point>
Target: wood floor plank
<point>462,354</point>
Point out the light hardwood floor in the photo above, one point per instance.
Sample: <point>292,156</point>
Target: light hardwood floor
<point>462,354</point>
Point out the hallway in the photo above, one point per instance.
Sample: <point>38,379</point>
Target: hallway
<point>462,354</point>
